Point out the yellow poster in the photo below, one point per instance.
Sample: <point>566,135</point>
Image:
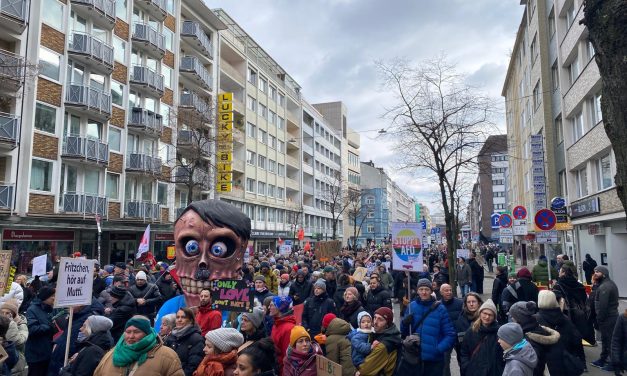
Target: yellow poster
<point>224,143</point>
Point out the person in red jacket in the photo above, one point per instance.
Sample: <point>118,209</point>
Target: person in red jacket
<point>281,311</point>
<point>207,318</point>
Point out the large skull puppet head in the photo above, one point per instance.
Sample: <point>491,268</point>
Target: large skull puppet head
<point>210,238</point>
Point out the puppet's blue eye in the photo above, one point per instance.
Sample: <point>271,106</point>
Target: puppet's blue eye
<point>219,249</point>
<point>192,248</point>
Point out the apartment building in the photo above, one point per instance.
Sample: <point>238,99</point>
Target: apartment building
<point>91,122</point>
<point>423,213</point>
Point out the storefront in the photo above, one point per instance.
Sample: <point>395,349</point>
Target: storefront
<point>160,245</point>
<point>266,239</point>
<point>27,244</point>
<point>122,246</point>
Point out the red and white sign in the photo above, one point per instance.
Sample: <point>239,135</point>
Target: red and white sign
<point>28,235</point>
<point>164,236</point>
<point>519,212</point>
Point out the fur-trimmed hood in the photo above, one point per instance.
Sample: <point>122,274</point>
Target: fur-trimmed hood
<point>550,338</point>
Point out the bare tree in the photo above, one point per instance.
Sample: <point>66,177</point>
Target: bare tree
<point>439,123</point>
<point>356,211</point>
<point>607,26</point>
<point>333,193</point>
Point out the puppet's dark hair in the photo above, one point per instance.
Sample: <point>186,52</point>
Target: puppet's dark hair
<point>221,214</point>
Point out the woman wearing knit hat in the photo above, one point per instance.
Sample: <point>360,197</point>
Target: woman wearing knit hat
<point>186,341</point>
<point>39,344</point>
<point>352,307</point>
<point>139,351</point>
<point>284,285</point>
<point>251,325</point>
<point>280,311</point>
<point>481,354</point>
<point>221,347</point>
<point>300,359</point>
<point>316,307</point>
<point>520,358</point>
<point>17,332</point>
<point>96,341</point>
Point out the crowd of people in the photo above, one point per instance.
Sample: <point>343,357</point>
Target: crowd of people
<point>518,330</point>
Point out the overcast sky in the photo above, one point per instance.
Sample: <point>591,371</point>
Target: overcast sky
<point>329,48</point>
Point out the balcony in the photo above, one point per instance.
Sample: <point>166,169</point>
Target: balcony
<point>232,72</point>
<point>193,101</point>
<point>155,8</point>
<point>84,204</point>
<point>85,150</point>
<point>102,12</point>
<point>146,121</point>
<point>152,41</point>
<point>199,178</point>
<point>291,184</point>
<point>146,211</point>
<point>308,189</point>
<point>6,196</point>
<point>91,51</point>
<point>192,141</point>
<point>147,80</point>
<point>239,137</point>
<point>143,164</point>
<point>192,68</point>
<point>89,101</point>
<point>197,38</point>
<point>236,192</point>
<point>14,15</point>
<point>292,118</point>
<point>12,71</point>
<point>9,129</point>
<point>292,161</point>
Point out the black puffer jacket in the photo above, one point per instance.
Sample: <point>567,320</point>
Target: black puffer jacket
<point>315,309</point>
<point>300,291</point>
<point>166,289</point>
<point>570,338</point>
<point>90,353</point>
<point>545,342</point>
<point>481,355</point>
<point>338,297</point>
<point>619,343</point>
<point>149,292</point>
<point>378,298</point>
<point>123,310</point>
<point>188,345</point>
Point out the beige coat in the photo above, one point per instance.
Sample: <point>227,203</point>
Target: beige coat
<point>161,361</point>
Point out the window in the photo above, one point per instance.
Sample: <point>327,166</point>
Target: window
<point>370,200</point>
<point>281,170</point>
<point>597,115</point>
<point>169,38</point>
<point>263,136</point>
<point>251,103</point>
<point>499,206</point>
<point>119,48</point>
<point>570,15</point>
<point>114,139</point>
<point>562,183</point>
<point>53,14</point>
<point>582,182</point>
<point>250,185</point>
<point>49,63</point>
<point>370,229</point>
<point>272,142</point>
<point>162,193</point>
<point>273,93</point>
<point>498,194</point>
<point>252,76</point>
<point>251,156</point>
<point>117,93</point>
<point>121,10</point>
<point>578,126</point>
<point>552,24</point>
<point>169,6</point>
<point>250,211</point>
<point>498,170</point>
<point>271,117</point>
<point>280,122</point>
<point>261,213</point>
<point>45,118</point>
<point>498,182</point>
<point>263,111</point>
<point>280,193</point>
<point>534,49</point>
<point>370,214</point>
<point>604,173</point>
<point>251,130</point>
<point>262,162</point>
<point>263,84</point>
<point>167,75</point>
<point>590,50</point>
<point>270,190</point>
<point>559,130</point>
<point>271,165</point>
<point>555,78</point>
<point>573,70</point>
<point>113,186</point>
<point>281,146</point>
<point>261,188</point>
<point>281,99</point>
<point>41,175</point>
<point>537,96</point>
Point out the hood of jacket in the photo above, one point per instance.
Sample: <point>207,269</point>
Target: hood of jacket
<point>339,327</point>
<point>279,320</point>
<point>553,316</point>
<point>525,354</point>
<point>570,284</point>
<point>390,337</point>
<point>549,337</point>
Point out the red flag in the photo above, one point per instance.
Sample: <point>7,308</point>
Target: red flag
<point>307,247</point>
<point>280,241</point>
<point>301,234</point>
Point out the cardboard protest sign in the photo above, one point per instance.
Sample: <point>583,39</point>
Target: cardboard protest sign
<point>233,295</point>
<point>328,250</point>
<point>75,282</point>
<point>5,269</point>
<point>325,367</point>
<point>39,265</point>
<point>360,273</point>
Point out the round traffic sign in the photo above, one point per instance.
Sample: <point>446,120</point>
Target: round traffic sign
<point>505,220</point>
<point>519,212</point>
<point>545,219</point>
<point>558,203</point>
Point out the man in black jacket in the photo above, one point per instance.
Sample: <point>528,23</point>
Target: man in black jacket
<point>377,296</point>
<point>454,308</point>
<point>606,308</point>
<point>40,331</point>
<point>477,274</point>
<point>147,296</point>
<point>316,307</point>
<point>300,289</point>
<point>123,308</point>
<point>499,284</point>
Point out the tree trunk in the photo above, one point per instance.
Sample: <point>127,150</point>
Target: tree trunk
<point>607,25</point>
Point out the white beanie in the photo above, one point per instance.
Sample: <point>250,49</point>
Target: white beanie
<point>547,300</point>
<point>225,339</point>
<point>141,275</point>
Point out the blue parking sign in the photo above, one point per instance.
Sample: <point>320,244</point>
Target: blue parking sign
<point>494,218</point>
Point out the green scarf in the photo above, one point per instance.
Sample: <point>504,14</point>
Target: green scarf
<point>124,355</point>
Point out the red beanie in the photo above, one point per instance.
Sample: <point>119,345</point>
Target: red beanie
<point>387,314</point>
<point>326,320</point>
<point>523,273</point>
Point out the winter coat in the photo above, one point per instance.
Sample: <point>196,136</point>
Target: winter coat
<point>339,347</point>
<point>545,342</point>
<point>360,347</point>
<point>454,308</point>
<point>315,309</point>
<point>29,295</point>
<point>338,297</point>
<point>386,280</point>
<point>281,337</point>
<point>212,365</point>
<point>437,334</point>
<point>463,322</point>
<point>188,345</point>
<point>441,277</point>
<point>331,287</point>
<point>481,355</point>
<point>12,357</point>
<point>499,284</point>
<point>540,273</point>
<point>16,292</point>
<point>509,296</point>
<point>166,289</point>
<point>123,310</point>
<point>527,290</point>
<point>299,292</point>
<point>18,334</point>
<point>382,358</point>
<point>208,319</point>
<point>40,332</point>
<point>151,293</point>
<point>161,360</point>
<point>464,274</point>
<point>99,286</point>
<point>588,266</point>
<point>299,364</point>
<point>570,338</point>
<point>606,301</point>
<point>477,270</point>
<point>284,290</point>
<point>619,342</point>
<point>349,313</point>
<point>260,296</point>
<point>573,298</point>
<point>520,360</point>
<point>377,298</point>
<point>272,282</point>
<point>90,353</point>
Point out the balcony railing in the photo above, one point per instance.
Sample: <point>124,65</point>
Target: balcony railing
<point>6,196</point>
<point>142,210</point>
<point>192,139</point>
<point>199,176</point>
<point>92,48</point>
<point>90,99</point>
<point>9,126</point>
<point>145,76</point>
<point>193,101</point>
<point>84,203</point>
<point>156,8</point>
<point>146,120</point>
<point>15,9</point>
<point>12,69</point>
<point>191,64</point>
<point>105,8</point>
<point>193,31</point>
<point>86,148</point>
<point>143,163</point>
<point>152,38</point>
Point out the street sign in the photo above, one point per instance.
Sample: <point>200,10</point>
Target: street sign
<point>560,214</point>
<point>505,220</point>
<point>519,212</point>
<point>545,219</point>
<point>520,227</point>
<point>547,237</point>
<point>558,203</point>
<point>494,219</point>
<point>506,235</point>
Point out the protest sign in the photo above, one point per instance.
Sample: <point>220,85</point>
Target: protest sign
<point>465,253</point>
<point>39,265</point>
<point>75,282</point>
<point>233,295</point>
<point>360,273</point>
<point>5,268</point>
<point>407,254</point>
<point>328,250</point>
<point>10,280</point>
<point>326,367</point>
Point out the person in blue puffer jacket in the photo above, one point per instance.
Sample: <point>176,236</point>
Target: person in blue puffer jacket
<point>437,335</point>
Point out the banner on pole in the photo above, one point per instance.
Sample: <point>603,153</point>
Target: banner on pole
<point>144,245</point>
<point>407,255</point>
<point>75,282</point>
